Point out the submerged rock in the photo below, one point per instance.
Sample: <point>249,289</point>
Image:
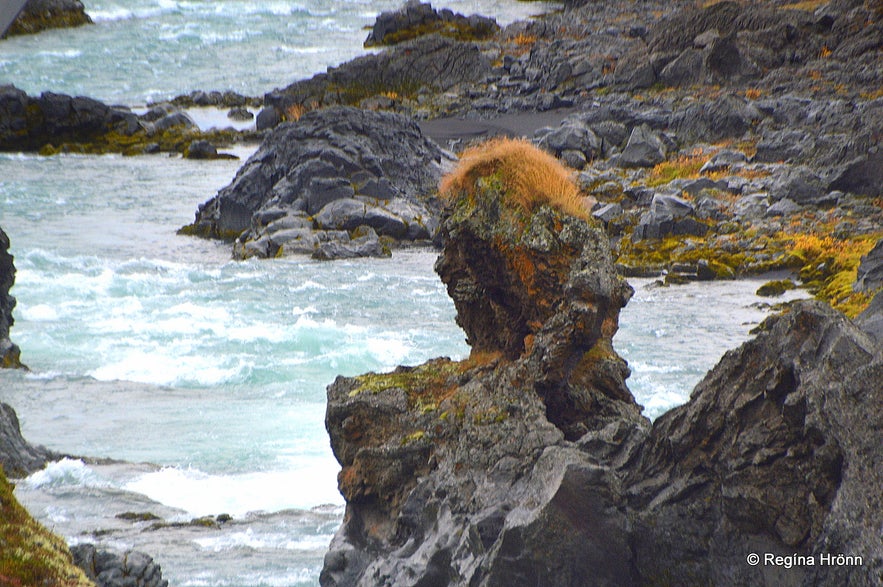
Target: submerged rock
<point>529,463</point>
<point>110,569</point>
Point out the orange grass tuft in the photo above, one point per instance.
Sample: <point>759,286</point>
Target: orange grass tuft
<point>529,176</point>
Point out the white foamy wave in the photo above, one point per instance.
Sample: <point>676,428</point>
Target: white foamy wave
<point>249,539</point>
<point>159,369</point>
<point>275,579</point>
<point>308,285</point>
<point>202,494</point>
<point>66,54</point>
<point>271,333</point>
<point>388,350</point>
<point>304,322</point>
<point>115,13</point>
<point>38,313</point>
<point>64,473</point>
<point>300,50</point>
<point>298,311</point>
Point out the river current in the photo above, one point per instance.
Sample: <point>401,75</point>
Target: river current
<point>204,378</point>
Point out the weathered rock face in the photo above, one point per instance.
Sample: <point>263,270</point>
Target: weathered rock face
<point>10,354</point>
<point>437,460</point>
<point>322,177</point>
<point>777,451</point>
<point>38,15</point>
<point>434,62</point>
<point>415,19</point>
<point>541,292</point>
<point>17,456</point>
<point>110,569</point>
<point>529,463</point>
<point>28,123</point>
<point>870,271</point>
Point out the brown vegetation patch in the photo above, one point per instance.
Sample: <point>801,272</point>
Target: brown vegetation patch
<point>528,177</point>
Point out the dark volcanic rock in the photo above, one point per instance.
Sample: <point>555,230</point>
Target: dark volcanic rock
<point>415,19</point>
<point>28,123</point>
<point>110,569</point>
<point>871,320</point>
<point>332,170</point>
<point>38,15</point>
<point>644,149</point>
<point>10,354</point>
<point>17,456</point>
<point>870,270</point>
<point>777,451</point>
<point>436,63</point>
<point>529,464</point>
<point>434,496</point>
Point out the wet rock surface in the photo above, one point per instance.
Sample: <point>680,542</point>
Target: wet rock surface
<point>111,569</point>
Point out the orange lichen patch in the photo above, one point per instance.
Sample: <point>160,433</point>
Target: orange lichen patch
<point>528,176</point>
<point>753,93</point>
<point>479,359</point>
<point>523,43</point>
<point>529,341</point>
<point>681,167</point>
<point>806,5</point>
<point>294,112</point>
<point>523,265</point>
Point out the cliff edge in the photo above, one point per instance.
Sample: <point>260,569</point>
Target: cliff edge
<point>529,463</point>
<point>10,354</point>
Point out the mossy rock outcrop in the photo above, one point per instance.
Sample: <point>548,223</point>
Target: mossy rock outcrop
<point>40,15</point>
<point>30,554</point>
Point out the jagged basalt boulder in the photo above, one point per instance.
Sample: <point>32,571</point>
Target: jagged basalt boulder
<point>777,451</point>
<point>29,123</point>
<point>529,463</point>
<point>440,461</point>
<point>52,123</point>
<point>322,177</point>
<point>39,15</point>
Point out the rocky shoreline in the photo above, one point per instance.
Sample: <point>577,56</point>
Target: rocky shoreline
<point>707,143</point>
<point>717,141</point>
